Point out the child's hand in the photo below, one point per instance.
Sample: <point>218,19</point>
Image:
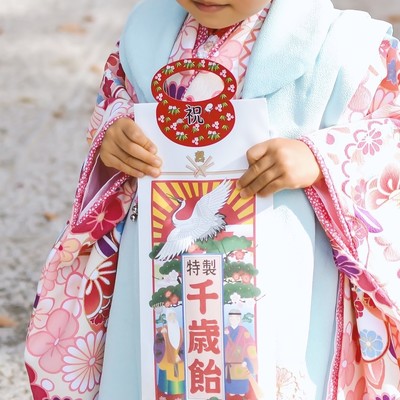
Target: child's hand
<point>278,164</point>
<point>125,147</point>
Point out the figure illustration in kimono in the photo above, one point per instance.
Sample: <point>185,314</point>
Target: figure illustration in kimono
<point>171,365</point>
<point>240,356</point>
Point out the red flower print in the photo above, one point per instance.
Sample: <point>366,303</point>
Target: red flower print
<point>37,392</point>
<point>358,305</point>
<point>107,87</point>
<point>98,293</point>
<point>112,63</point>
<point>102,219</point>
<point>239,254</point>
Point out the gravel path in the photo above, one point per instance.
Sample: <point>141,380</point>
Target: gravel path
<point>53,53</point>
<point>52,56</point>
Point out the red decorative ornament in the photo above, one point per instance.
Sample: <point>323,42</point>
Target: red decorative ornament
<point>195,123</point>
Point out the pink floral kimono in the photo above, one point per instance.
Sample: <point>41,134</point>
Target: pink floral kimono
<point>357,205</point>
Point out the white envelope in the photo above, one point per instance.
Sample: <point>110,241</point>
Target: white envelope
<point>212,280</point>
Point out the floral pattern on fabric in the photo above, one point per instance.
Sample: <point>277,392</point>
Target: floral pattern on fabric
<point>67,333</point>
<point>360,165</point>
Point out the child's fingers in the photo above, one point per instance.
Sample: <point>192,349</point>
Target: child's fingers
<point>142,160</point>
<point>254,171</point>
<point>264,183</point>
<point>136,150</point>
<point>133,167</point>
<point>135,134</point>
<point>137,162</point>
<point>262,188</point>
<point>257,152</point>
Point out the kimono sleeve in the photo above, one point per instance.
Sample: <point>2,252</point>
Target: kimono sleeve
<point>358,202</point>
<point>99,186</point>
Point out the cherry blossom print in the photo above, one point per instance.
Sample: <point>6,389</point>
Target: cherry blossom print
<point>386,188</point>
<point>50,345</point>
<point>88,281</point>
<point>98,293</point>
<point>239,254</point>
<point>348,358</point>
<point>74,292</point>
<point>359,392</point>
<point>369,141</point>
<point>49,276</point>
<point>68,248</point>
<point>41,312</point>
<point>82,368</point>
<point>371,344</point>
<point>185,42</point>
<point>102,219</point>
<point>66,271</point>
<point>229,51</point>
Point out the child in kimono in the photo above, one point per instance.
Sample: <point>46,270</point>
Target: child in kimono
<point>331,82</point>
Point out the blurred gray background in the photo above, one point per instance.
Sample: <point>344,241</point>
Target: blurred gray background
<point>52,55</point>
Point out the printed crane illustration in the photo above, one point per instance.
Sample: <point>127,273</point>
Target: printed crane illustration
<point>204,223</point>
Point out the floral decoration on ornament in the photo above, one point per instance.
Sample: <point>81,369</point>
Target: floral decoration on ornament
<point>195,123</point>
